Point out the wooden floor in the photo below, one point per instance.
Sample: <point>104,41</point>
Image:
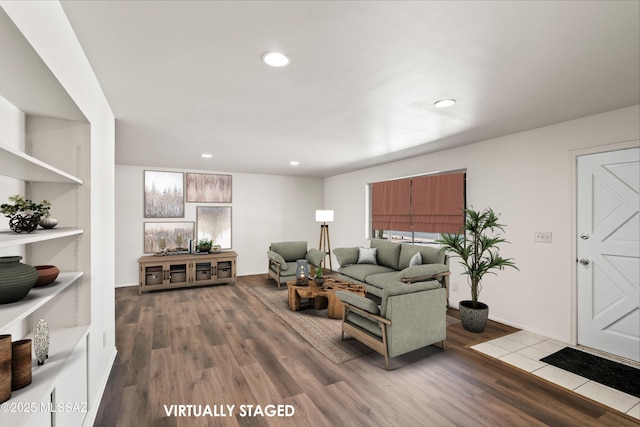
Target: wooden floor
<point>217,346</point>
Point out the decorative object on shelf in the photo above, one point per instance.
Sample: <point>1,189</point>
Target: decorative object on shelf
<point>47,221</point>
<point>41,341</point>
<point>24,214</point>
<point>477,246</point>
<point>46,275</point>
<point>318,280</point>
<point>302,272</point>
<point>204,245</point>
<point>20,364</point>
<point>325,216</point>
<point>216,249</point>
<point>16,279</point>
<point>5,368</point>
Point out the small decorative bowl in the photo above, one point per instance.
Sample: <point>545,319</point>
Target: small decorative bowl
<point>46,275</point>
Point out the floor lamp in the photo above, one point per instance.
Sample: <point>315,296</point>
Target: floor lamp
<point>325,216</point>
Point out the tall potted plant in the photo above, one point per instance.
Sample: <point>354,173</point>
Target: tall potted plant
<point>477,246</point>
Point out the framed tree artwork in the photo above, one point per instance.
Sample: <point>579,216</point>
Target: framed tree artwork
<point>214,222</point>
<point>173,235</point>
<point>163,194</point>
<point>208,188</point>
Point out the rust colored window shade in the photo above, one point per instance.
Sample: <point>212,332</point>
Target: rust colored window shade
<point>437,203</point>
<point>391,205</point>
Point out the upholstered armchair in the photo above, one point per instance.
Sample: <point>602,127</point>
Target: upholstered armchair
<point>410,316</point>
<point>283,256</point>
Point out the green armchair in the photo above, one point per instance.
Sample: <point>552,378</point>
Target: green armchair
<point>283,256</point>
<point>411,316</point>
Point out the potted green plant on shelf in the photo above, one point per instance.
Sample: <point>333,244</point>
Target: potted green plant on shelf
<point>204,245</point>
<point>24,214</point>
<point>477,246</point>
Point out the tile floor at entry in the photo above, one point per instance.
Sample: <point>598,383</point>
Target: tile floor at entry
<point>524,350</point>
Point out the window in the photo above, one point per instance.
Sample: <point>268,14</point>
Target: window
<point>418,209</point>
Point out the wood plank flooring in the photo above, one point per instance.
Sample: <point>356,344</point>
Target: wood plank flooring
<point>220,346</point>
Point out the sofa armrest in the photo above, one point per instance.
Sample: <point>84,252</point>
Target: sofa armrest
<point>420,273</point>
<point>277,258</point>
<point>315,256</point>
<point>347,256</point>
<point>358,301</point>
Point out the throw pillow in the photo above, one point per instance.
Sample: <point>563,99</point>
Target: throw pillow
<point>277,258</point>
<point>416,259</point>
<point>367,255</point>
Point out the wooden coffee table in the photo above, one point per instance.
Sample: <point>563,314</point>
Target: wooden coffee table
<point>323,297</point>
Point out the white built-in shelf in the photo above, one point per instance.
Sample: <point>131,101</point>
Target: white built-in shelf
<point>16,164</point>
<point>10,238</point>
<point>62,342</point>
<point>13,313</point>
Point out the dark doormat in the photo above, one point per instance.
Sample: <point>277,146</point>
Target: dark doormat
<point>613,374</point>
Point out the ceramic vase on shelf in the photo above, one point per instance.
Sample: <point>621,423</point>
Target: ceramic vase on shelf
<point>47,221</point>
<point>46,275</point>
<point>5,368</point>
<point>16,279</point>
<point>20,364</point>
<point>41,341</point>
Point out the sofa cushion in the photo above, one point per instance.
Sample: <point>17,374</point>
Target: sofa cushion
<point>346,256</point>
<point>362,271</point>
<point>364,323</point>
<point>424,272</point>
<point>382,280</point>
<point>315,256</point>
<point>290,251</point>
<point>277,258</point>
<point>429,255</point>
<point>367,255</point>
<point>388,252</point>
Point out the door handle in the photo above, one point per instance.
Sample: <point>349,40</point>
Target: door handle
<point>584,261</point>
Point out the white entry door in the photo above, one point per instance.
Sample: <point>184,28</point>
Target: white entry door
<point>609,252</point>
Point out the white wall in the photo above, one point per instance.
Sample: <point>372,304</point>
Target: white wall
<point>264,209</point>
<point>47,29</point>
<point>12,133</point>
<point>527,177</point>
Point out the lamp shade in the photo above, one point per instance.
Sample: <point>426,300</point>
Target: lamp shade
<point>324,216</point>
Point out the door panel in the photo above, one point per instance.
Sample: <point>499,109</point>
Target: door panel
<point>609,252</point>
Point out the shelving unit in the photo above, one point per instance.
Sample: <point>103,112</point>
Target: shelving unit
<point>64,376</point>
<point>16,164</point>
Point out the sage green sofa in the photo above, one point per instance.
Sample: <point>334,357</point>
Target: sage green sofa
<point>282,258</point>
<point>410,316</point>
<point>392,265</point>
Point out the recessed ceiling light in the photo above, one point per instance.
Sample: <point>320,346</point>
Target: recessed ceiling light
<point>275,59</point>
<point>294,163</point>
<point>444,103</point>
<point>206,155</point>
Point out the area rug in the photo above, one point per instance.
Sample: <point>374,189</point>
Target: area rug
<point>322,333</point>
<point>604,371</point>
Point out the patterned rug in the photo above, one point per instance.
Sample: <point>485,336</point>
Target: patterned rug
<point>314,326</point>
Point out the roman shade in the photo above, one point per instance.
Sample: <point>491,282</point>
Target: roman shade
<point>437,203</point>
<point>431,204</point>
<point>391,205</point>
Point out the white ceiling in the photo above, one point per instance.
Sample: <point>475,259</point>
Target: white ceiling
<point>184,78</point>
